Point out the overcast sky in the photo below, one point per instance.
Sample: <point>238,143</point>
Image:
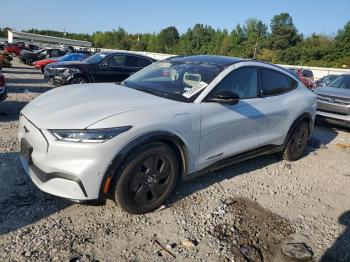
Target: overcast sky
<point>141,16</point>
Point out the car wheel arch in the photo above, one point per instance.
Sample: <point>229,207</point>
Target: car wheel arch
<point>81,75</point>
<point>303,117</point>
<point>165,137</point>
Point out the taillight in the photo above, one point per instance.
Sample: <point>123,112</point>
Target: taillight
<point>2,80</point>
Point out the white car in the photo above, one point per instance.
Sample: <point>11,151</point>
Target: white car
<point>174,119</point>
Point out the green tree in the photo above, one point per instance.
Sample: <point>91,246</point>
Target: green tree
<point>283,32</point>
<point>168,38</point>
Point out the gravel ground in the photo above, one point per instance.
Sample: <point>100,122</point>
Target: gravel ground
<point>246,212</point>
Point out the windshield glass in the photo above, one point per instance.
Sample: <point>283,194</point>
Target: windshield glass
<point>96,58</point>
<point>172,79</point>
<point>341,82</point>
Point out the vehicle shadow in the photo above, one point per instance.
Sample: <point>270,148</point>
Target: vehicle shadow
<point>27,89</point>
<point>22,72</point>
<point>199,183</point>
<point>21,67</point>
<point>21,203</point>
<point>25,80</point>
<point>322,135</point>
<point>340,250</point>
<point>9,110</point>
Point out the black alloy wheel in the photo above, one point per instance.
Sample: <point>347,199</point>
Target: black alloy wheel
<point>78,80</point>
<point>297,142</point>
<point>148,178</point>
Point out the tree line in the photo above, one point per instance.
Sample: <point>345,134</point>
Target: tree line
<point>278,42</point>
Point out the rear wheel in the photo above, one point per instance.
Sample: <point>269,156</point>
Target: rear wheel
<point>147,179</point>
<point>78,80</point>
<point>297,142</point>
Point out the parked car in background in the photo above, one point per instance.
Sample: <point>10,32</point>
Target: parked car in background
<point>5,59</point>
<point>333,101</point>
<point>3,89</point>
<point>306,76</point>
<point>2,45</point>
<point>100,67</point>
<point>67,57</point>
<point>173,120</point>
<point>18,47</point>
<point>30,57</point>
<point>15,49</point>
<point>326,80</point>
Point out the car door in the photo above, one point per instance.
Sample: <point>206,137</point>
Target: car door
<point>111,69</point>
<point>276,104</point>
<point>132,65</point>
<point>228,130</point>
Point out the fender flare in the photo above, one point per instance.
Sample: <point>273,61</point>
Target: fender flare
<point>303,117</point>
<point>172,140</point>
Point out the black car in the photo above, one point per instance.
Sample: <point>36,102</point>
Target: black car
<point>29,57</point>
<point>100,67</point>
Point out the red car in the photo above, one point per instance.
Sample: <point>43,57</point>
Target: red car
<point>307,77</point>
<point>42,63</point>
<point>15,49</point>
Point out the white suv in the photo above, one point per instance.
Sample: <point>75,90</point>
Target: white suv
<point>170,121</point>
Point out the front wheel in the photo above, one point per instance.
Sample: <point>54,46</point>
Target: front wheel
<point>78,80</point>
<point>147,179</point>
<point>297,142</point>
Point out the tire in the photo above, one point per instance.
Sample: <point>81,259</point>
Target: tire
<point>147,178</point>
<point>297,142</point>
<point>29,61</point>
<point>78,80</point>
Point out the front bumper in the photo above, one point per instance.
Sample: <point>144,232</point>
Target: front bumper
<point>56,80</point>
<point>343,120</point>
<point>69,170</point>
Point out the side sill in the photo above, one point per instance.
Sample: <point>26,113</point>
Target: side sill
<point>268,149</point>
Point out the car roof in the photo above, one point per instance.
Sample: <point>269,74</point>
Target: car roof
<point>222,61</point>
<point>125,53</point>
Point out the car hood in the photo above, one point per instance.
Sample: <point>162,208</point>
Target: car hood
<point>79,106</point>
<point>66,64</point>
<point>332,91</point>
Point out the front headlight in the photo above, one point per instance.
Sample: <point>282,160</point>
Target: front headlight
<point>88,135</point>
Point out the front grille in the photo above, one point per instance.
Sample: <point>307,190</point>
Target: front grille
<point>332,99</point>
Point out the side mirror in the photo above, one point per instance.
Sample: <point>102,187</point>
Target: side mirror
<point>224,97</point>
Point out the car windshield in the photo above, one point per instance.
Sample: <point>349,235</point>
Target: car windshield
<point>96,58</point>
<point>172,79</point>
<point>341,82</point>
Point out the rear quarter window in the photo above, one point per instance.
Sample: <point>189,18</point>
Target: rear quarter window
<point>275,83</point>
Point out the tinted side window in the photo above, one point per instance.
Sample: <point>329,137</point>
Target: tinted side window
<point>116,60</point>
<point>54,53</point>
<point>242,81</point>
<point>132,61</point>
<point>145,62</point>
<point>274,83</point>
